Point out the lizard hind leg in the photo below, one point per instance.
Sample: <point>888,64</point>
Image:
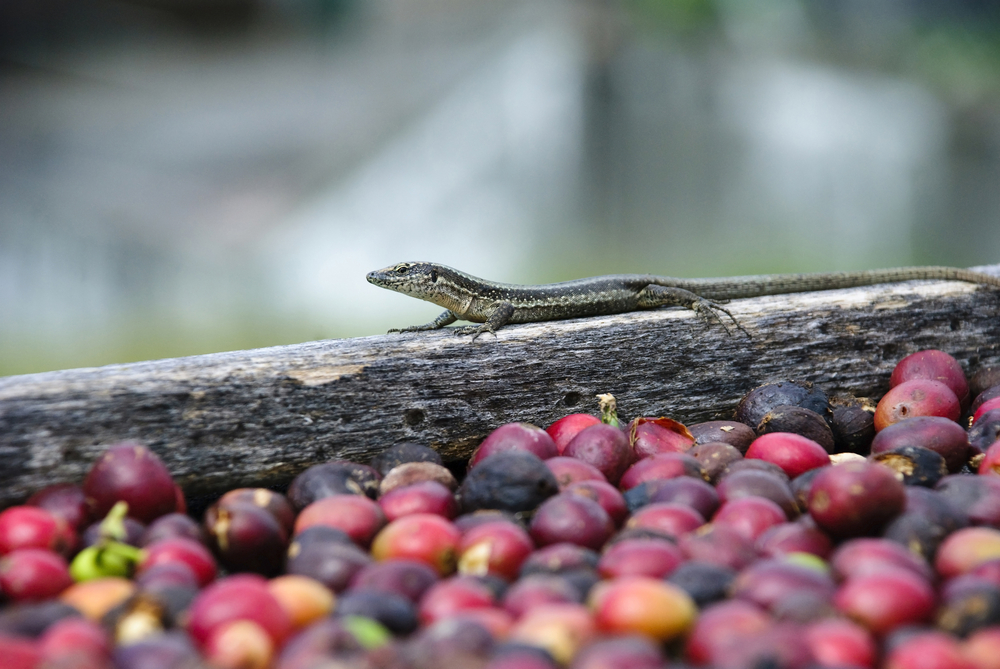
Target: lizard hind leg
<point>668,296</point>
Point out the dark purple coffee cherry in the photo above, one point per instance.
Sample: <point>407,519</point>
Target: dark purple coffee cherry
<point>509,481</point>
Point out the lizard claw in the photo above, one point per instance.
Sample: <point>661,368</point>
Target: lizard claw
<point>475,331</point>
<point>708,309</point>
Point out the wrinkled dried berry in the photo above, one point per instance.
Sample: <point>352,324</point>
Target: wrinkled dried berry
<point>916,465</point>
<point>763,399</point>
<point>509,481</point>
<point>853,424</point>
<point>339,477</point>
<point>798,420</point>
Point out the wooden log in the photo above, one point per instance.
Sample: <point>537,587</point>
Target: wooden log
<point>259,417</point>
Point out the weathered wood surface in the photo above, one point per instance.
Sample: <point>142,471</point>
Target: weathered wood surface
<point>259,417</point>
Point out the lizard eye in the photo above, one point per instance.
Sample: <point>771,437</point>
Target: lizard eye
<point>434,276</point>
<point>402,269</point>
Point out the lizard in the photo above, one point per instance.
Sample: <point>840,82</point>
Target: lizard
<point>493,304</point>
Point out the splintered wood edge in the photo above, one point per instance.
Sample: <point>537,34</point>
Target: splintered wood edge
<point>259,417</point>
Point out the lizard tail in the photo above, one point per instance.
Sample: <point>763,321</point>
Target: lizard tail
<point>777,284</point>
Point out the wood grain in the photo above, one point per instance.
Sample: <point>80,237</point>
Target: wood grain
<point>259,417</point>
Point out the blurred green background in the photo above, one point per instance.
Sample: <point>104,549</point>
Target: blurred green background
<point>188,176</point>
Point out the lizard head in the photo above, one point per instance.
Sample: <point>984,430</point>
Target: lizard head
<point>423,280</point>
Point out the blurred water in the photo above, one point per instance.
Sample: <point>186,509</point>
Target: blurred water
<point>171,194</point>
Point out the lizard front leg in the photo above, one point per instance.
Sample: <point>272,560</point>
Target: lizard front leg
<point>663,296</point>
<point>500,317</point>
<point>447,318</point>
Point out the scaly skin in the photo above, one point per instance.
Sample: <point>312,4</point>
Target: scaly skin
<point>493,304</point>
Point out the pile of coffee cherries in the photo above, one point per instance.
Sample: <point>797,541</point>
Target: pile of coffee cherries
<point>809,532</point>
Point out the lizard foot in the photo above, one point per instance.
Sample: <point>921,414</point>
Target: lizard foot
<point>709,310</point>
<point>474,330</point>
<point>447,318</point>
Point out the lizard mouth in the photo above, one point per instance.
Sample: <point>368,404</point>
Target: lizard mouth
<point>377,278</point>
<point>384,279</point>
